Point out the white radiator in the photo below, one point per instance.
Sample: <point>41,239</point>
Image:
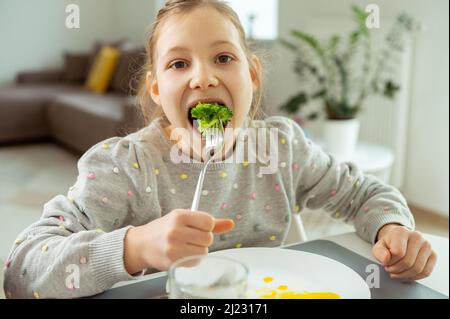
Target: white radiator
<point>385,122</point>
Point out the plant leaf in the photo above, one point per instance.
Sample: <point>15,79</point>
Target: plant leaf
<point>288,44</point>
<point>309,40</point>
<point>360,14</point>
<point>294,104</point>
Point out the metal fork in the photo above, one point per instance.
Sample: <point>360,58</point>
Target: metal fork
<point>214,144</point>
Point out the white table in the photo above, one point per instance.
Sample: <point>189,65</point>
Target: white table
<point>438,280</point>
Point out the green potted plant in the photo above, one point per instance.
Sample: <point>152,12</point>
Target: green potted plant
<point>342,73</point>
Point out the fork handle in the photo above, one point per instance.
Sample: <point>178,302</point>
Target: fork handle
<point>198,189</point>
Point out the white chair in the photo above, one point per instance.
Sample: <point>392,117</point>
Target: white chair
<point>296,233</point>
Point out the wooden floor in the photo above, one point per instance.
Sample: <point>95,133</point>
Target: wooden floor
<point>430,222</point>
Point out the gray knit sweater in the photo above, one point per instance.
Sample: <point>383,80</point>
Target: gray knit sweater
<point>76,248</point>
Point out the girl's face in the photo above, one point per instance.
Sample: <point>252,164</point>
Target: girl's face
<point>198,58</point>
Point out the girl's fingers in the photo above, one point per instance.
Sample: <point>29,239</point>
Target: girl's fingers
<point>199,220</point>
<point>419,264</point>
<point>428,268</point>
<point>205,222</point>
<point>176,252</point>
<point>398,245</point>
<point>193,250</point>
<point>187,250</point>
<point>381,252</point>
<point>409,258</point>
<point>223,226</point>
<point>197,237</point>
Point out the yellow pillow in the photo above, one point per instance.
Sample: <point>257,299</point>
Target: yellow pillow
<point>103,69</point>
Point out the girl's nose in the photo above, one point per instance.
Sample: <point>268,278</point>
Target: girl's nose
<point>203,79</point>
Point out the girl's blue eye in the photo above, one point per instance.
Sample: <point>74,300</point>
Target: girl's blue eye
<point>224,59</point>
<point>178,65</point>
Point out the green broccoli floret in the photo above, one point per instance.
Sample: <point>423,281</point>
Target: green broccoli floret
<point>208,116</point>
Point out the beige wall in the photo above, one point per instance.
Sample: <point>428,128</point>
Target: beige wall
<point>33,33</point>
<point>132,19</point>
<point>427,178</point>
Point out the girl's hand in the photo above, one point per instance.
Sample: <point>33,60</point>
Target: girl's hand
<point>180,233</point>
<point>404,253</point>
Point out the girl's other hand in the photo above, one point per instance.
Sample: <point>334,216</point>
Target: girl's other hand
<point>404,253</point>
<point>179,234</point>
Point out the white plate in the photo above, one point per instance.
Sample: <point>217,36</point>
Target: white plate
<point>300,271</point>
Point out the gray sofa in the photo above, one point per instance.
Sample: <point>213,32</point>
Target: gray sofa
<point>46,105</point>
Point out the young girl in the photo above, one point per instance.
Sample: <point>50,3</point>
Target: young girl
<point>126,214</point>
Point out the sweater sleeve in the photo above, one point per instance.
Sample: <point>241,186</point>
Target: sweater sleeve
<point>341,188</point>
<point>76,247</point>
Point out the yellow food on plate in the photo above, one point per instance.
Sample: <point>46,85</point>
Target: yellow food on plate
<point>269,293</point>
<point>268,279</point>
<point>282,292</point>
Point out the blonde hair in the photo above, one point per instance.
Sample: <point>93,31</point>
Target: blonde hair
<point>149,110</point>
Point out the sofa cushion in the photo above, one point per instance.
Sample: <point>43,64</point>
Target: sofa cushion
<point>126,78</point>
<point>108,105</point>
<point>83,119</point>
<point>102,71</point>
<point>98,45</point>
<point>76,67</point>
<point>22,110</point>
<point>50,76</point>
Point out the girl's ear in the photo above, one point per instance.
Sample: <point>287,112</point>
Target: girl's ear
<point>152,87</point>
<point>255,72</point>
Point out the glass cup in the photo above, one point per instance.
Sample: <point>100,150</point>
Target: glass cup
<point>207,277</point>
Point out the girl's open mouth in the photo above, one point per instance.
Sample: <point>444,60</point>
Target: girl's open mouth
<point>194,122</point>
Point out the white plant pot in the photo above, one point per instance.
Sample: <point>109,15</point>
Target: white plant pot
<point>341,137</point>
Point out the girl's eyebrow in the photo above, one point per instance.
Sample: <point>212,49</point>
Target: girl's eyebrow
<point>176,49</point>
<point>220,42</point>
<point>185,49</point>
